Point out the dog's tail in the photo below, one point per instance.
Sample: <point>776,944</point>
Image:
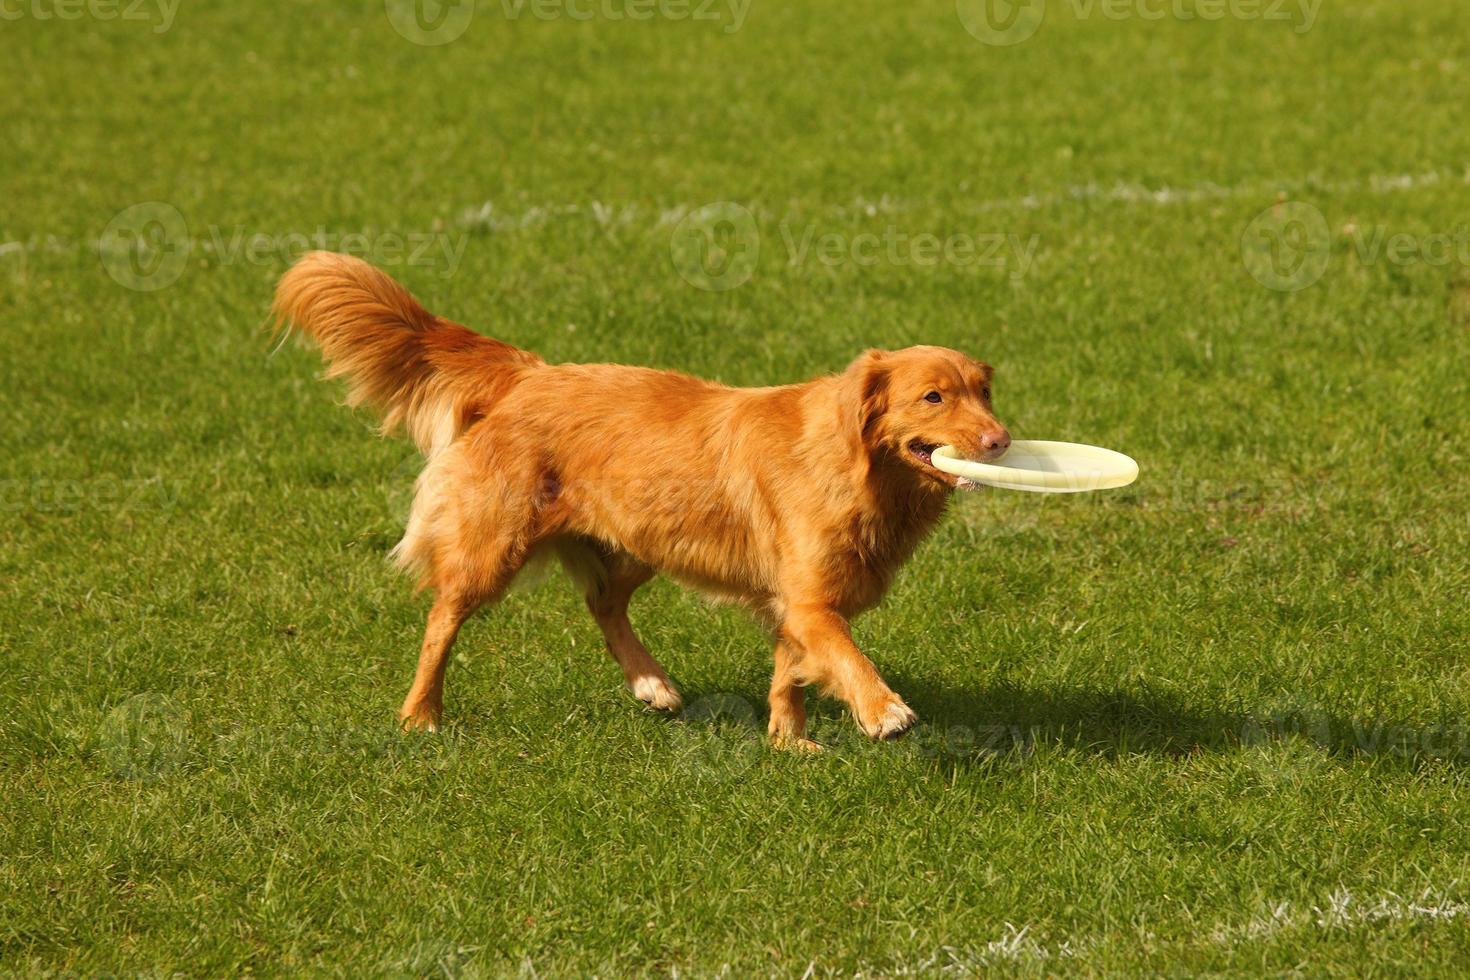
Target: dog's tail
<point>430,375</point>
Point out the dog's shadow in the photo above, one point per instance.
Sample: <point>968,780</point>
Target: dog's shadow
<point>1094,720</point>
<point>1008,723</point>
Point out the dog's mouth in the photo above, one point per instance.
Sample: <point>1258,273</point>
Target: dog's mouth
<point>924,453</point>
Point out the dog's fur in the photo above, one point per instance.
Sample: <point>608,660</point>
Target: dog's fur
<point>801,501</point>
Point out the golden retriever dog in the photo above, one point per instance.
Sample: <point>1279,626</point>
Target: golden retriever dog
<point>800,501</point>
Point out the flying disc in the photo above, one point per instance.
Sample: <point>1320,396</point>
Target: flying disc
<point>1043,467</point>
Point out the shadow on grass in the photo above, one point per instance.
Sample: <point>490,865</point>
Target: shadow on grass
<point>1103,721</point>
<point>985,722</point>
<point>1003,725</point>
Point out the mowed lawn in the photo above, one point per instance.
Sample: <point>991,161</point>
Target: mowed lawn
<point>1216,722</point>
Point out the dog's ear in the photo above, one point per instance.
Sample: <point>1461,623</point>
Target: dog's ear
<point>865,394</point>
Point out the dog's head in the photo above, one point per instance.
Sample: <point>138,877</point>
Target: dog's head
<point>906,403</point>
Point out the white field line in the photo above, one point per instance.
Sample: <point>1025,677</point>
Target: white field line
<point>1015,946</point>
<point>1129,193</point>
<point>486,217</point>
<point>1341,911</point>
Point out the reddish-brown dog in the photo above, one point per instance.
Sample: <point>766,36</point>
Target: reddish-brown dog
<point>801,501</point>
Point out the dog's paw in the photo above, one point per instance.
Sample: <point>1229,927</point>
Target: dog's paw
<point>891,721</point>
<point>423,718</point>
<point>795,743</point>
<point>657,693</point>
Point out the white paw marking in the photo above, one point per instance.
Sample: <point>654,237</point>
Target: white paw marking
<point>657,693</point>
<point>896,719</point>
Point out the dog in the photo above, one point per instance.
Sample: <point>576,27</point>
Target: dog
<point>800,501</point>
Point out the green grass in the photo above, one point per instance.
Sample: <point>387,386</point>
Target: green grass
<point>1216,722</point>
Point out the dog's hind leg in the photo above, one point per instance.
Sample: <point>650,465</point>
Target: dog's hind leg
<point>607,598</point>
<point>468,547</point>
<point>424,705</point>
<point>456,599</point>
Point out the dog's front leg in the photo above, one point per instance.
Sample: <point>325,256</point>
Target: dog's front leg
<point>829,659</point>
<point>788,699</point>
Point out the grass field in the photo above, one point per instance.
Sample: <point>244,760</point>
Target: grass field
<point>1216,722</point>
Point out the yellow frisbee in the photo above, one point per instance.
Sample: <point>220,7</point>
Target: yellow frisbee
<point>1043,467</point>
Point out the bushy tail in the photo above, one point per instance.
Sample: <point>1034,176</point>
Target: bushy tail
<point>430,375</point>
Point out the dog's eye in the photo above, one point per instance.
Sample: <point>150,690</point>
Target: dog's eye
<point>933,397</point>
<point>985,392</point>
